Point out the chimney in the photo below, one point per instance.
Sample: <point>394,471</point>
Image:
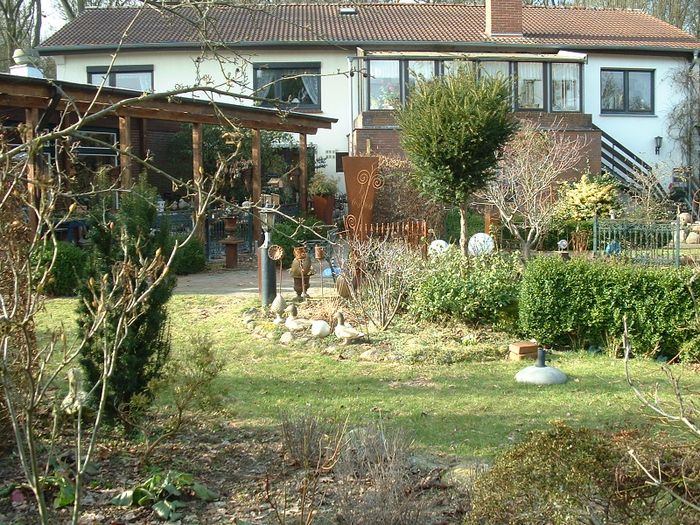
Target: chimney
<point>504,17</point>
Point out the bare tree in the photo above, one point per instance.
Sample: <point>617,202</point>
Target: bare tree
<point>20,27</point>
<point>525,189</point>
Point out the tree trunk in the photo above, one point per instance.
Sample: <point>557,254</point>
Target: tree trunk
<point>525,249</point>
<point>463,228</point>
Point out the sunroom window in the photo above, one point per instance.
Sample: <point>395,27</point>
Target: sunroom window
<point>566,87</point>
<point>530,85</point>
<point>494,69</point>
<point>384,84</point>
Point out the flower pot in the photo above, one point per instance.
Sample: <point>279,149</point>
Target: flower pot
<point>230,225</point>
<point>323,208</point>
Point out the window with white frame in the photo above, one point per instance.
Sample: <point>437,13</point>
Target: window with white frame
<point>296,85</point>
<point>384,84</point>
<point>138,78</point>
<point>627,91</point>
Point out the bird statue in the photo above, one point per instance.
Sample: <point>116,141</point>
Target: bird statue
<point>345,331</point>
<point>320,328</point>
<point>277,307</point>
<point>292,323</point>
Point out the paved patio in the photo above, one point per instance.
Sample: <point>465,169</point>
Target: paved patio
<point>243,281</point>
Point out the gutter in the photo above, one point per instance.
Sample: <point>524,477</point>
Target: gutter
<point>421,44</point>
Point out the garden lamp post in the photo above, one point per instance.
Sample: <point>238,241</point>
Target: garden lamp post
<point>266,266</point>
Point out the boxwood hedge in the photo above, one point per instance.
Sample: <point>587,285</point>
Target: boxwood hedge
<point>586,301</point>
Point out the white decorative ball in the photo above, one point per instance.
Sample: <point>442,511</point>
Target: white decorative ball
<point>437,247</point>
<point>480,244</point>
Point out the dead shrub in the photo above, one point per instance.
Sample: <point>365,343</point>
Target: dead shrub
<point>374,479</point>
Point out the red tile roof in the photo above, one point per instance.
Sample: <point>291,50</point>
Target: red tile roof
<point>421,25</point>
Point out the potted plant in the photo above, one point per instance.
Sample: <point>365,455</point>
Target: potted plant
<point>322,190</point>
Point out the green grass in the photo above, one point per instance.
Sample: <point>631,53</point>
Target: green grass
<point>465,409</point>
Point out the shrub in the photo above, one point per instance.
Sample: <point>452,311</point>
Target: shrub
<point>289,234</point>
<point>583,302</point>
<point>190,258</point>
<point>68,269</point>
<point>690,350</point>
<point>129,238</point>
<point>475,289</point>
<point>570,476</point>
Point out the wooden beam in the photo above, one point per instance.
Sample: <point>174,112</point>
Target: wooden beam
<point>303,176</point>
<point>256,151</point>
<point>198,174</point>
<point>124,147</point>
<point>31,121</point>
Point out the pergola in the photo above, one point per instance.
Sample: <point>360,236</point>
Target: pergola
<point>39,102</point>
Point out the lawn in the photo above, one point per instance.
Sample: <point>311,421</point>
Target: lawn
<point>466,409</point>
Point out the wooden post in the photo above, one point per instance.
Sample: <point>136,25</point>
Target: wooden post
<point>31,118</point>
<point>303,175</point>
<point>257,183</point>
<point>124,147</point>
<point>197,176</point>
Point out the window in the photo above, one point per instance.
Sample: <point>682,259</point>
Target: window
<point>566,87</point>
<point>294,85</point>
<point>384,84</point>
<point>424,69</point>
<point>494,69</point>
<point>138,78</point>
<point>530,85</point>
<point>626,91</point>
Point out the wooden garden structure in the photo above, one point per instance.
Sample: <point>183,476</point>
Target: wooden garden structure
<point>43,104</point>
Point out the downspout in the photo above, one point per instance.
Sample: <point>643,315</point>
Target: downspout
<point>351,74</point>
<point>692,141</point>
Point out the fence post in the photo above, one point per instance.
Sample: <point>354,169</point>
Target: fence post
<point>677,243</point>
<point>595,235</point>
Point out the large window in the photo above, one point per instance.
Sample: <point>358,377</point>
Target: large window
<point>294,85</point>
<point>530,85</point>
<point>566,87</point>
<point>626,91</point>
<point>138,78</point>
<point>384,84</point>
<point>495,69</point>
<point>424,69</point>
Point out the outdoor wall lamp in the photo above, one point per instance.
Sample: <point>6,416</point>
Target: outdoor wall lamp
<point>658,141</point>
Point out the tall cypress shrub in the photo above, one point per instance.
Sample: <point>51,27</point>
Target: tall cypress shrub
<point>132,236</point>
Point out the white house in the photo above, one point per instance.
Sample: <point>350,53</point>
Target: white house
<point>601,72</point>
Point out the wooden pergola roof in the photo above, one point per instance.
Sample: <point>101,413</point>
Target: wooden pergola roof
<point>27,93</point>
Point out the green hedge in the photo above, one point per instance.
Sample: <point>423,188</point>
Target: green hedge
<point>471,289</point>
<point>585,302</point>
<point>68,270</point>
<point>189,258</point>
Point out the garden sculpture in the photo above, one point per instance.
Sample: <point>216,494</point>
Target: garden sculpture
<point>292,323</point>
<point>540,373</point>
<point>301,270</point>
<point>345,331</point>
<point>277,307</point>
<point>320,328</point>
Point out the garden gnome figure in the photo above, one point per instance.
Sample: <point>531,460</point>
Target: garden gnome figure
<point>301,270</point>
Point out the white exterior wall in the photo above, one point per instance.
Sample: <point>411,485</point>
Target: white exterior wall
<point>637,132</point>
<point>177,68</point>
<point>173,68</point>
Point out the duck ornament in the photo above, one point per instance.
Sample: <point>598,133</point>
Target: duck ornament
<point>320,329</point>
<point>292,323</point>
<point>278,307</point>
<point>345,331</point>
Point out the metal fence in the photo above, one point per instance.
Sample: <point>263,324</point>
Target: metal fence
<point>647,243</point>
<point>181,223</point>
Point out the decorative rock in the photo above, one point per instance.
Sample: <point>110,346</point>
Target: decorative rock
<point>541,375</point>
<point>286,338</point>
<point>464,474</point>
<point>250,325</point>
<point>685,218</point>
<point>370,355</point>
<point>693,238</point>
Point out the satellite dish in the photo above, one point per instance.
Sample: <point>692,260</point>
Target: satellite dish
<point>437,247</point>
<point>480,244</point>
